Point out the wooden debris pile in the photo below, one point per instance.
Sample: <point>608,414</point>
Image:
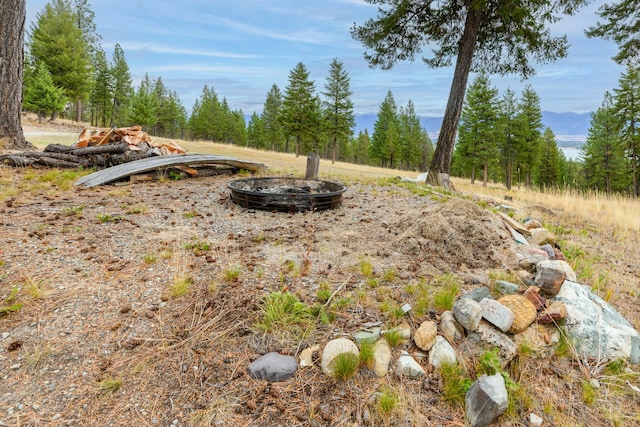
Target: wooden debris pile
<point>96,147</point>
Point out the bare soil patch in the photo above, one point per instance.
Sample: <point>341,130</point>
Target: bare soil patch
<point>108,344</point>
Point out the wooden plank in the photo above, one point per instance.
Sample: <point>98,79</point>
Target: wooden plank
<point>161,162</point>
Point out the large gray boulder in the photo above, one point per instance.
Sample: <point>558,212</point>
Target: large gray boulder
<point>595,328</point>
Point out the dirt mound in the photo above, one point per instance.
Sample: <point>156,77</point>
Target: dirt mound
<point>454,235</point>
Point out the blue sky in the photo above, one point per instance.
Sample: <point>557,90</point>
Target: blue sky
<point>240,48</point>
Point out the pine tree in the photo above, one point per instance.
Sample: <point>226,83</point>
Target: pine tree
<point>41,95</point>
<point>256,132</point>
<point>360,147</point>
<point>298,114</point>
<point>338,107</point>
<point>479,131</point>
<point>622,25</point>
<point>273,133</point>
<point>502,37</point>
<point>101,96</point>
<point>509,125</point>
<point>528,138</point>
<point>122,89</point>
<point>144,106</point>
<point>204,114</point>
<point>627,111</point>
<point>549,170</point>
<point>602,153</point>
<point>387,121</point>
<point>58,42</point>
<point>410,138</point>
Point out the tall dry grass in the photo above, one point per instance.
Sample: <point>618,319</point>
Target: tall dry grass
<point>591,207</point>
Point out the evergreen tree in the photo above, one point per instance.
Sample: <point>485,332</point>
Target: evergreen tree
<point>256,137</point>
<point>298,114</point>
<point>479,130</point>
<point>509,125</point>
<point>360,147</point>
<point>627,111</point>
<point>426,150</point>
<point>602,153</point>
<point>41,95</point>
<point>338,107</point>
<point>386,122</point>
<point>410,138</point>
<point>58,42</point>
<point>549,170</point>
<point>144,107</point>
<point>622,25</point>
<point>101,96</point>
<point>502,37</point>
<point>205,112</point>
<point>273,133</point>
<point>122,89</point>
<point>529,120</point>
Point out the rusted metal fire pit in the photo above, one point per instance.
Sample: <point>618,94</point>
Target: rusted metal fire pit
<point>286,194</point>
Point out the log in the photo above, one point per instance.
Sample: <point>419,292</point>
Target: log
<point>101,149</point>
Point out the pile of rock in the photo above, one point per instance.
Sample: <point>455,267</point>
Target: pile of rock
<point>480,322</point>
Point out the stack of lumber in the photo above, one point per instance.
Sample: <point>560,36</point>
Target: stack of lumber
<point>96,147</point>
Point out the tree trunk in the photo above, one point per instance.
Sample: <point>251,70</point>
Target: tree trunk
<point>12,17</point>
<point>79,110</point>
<point>335,149</point>
<point>485,177</point>
<point>441,162</point>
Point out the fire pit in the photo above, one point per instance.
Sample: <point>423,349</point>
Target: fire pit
<point>286,194</point>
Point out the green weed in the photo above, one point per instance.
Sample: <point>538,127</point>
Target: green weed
<point>345,366</point>
<point>283,313</point>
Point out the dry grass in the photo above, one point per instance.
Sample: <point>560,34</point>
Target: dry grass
<point>592,207</point>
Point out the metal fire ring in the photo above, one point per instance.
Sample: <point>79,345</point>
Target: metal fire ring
<point>286,194</point>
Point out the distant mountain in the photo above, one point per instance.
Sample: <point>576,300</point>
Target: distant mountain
<point>570,128</point>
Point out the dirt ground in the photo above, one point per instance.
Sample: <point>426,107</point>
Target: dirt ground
<point>102,339</point>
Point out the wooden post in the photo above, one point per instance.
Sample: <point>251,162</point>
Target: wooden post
<point>313,165</point>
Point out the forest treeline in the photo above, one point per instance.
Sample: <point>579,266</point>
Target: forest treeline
<point>501,137</point>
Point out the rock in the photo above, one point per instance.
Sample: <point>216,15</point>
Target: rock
<point>518,237</point>
<point>273,367</point>
<point>425,335</point>
<point>550,250</point>
<point>441,353</point>
<point>468,313</point>
<point>524,312</point>
<point>564,265</point>
<point>306,356</point>
<point>486,400</point>
<point>408,367</point>
<point>549,276</point>
<point>514,224</point>
<point>335,348</point>
<point>596,329</point>
<point>477,294</point>
<point>535,420</point>
<point>369,336</point>
<point>556,311</point>
<point>506,288</point>
<point>541,236</point>
<point>541,339</point>
<point>533,295</point>
<point>486,337</point>
<point>531,224</point>
<point>381,358</point>
<point>450,328</point>
<point>559,254</point>
<point>529,262</point>
<point>496,314</point>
